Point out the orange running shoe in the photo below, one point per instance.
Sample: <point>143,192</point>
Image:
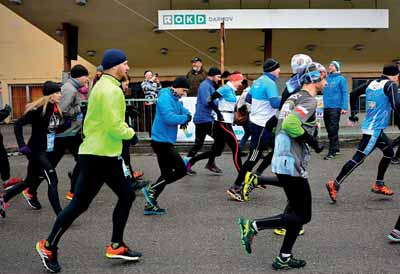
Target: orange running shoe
<point>137,174</point>
<point>332,191</point>
<point>69,195</point>
<point>121,251</point>
<point>48,257</point>
<point>385,190</point>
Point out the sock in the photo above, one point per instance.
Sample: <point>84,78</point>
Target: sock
<point>115,245</point>
<point>380,183</point>
<point>254,225</point>
<point>336,184</point>
<point>285,256</point>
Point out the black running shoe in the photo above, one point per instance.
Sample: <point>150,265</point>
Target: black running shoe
<point>121,251</point>
<point>287,263</point>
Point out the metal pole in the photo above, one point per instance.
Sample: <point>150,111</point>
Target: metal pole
<point>222,39</point>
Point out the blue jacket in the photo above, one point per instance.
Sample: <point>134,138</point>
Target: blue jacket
<point>335,93</point>
<point>203,112</point>
<point>170,113</point>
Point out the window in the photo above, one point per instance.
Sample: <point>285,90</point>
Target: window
<point>20,95</point>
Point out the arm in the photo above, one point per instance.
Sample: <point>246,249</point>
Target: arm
<point>274,98</point>
<point>147,86</point>
<point>168,113</point>
<point>5,112</point>
<point>69,103</point>
<point>114,117</point>
<point>214,107</point>
<point>18,126</point>
<point>354,95</point>
<point>391,91</point>
<point>345,95</point>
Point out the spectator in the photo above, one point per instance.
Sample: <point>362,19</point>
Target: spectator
<point>99,73</point>
<point>150,86</point>
<point>195,76</point>
<point>336,99</point>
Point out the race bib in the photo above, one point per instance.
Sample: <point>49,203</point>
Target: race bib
<point>50,141</point>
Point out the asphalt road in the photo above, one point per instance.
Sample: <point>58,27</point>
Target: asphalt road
<point>199,234</point>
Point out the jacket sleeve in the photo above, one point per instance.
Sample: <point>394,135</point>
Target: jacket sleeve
<point>20,123</point>
<point>293,123</point>
<point>391,91</point>
<point>345,94</point>
<point>168,113</point>
<point>212,104</point>
<point>149,86</point>
<point>70,102</point>
<point>4,113</point>
<point>114,121</point>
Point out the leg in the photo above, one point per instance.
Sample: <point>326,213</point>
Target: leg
<point>201,132</point>
<point>73,147</point>
<point>246,136</point>
<point>230,139</point>
<point>89,183</point>
<point>4,163</point>
<point>330,126</point>
<point>335,119</point>
<point>384,145</point>
<point>116,180</point>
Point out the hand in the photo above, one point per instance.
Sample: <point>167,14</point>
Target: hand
<point>25,150</point>
<point>318,148</point>
<point>189,118</point>
<point>134,140</point>
<point>8,108</point>
<point>343,112</point>
<point>350,123</point>
<point>220,117</point>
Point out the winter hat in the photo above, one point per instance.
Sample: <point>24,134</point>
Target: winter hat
<point>180,82</point>
<point>270,65</point>
<point>112,58</point>
<point>214,71</point>
<point>336,64</point>
<point>50,87</point>
<point>236,76</point>
<point>79,71</point>
<point>390,70</point>
<point>99,68</point>
<point>196,59</point>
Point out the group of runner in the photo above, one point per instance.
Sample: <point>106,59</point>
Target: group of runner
<point>285,127</point>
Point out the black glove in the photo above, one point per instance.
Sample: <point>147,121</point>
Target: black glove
<point>353,118</point>
<point>189,118</point>
<point>311,141</point>
<point>7,108</point>
<point>242,109</point>
<point>134,140</point>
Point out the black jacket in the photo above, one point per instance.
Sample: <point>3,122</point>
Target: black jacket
<point>41,126</point>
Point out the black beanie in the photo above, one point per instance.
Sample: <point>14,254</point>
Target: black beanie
<point>79,71</point>
<point>180,82</point>
<point>270,65</point>
<point>390,70</point>
<point>214,71</point>
<point>50,87</point>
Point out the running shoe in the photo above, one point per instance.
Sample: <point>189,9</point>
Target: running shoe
<point>148,193</point>
<point>282,232</point>
<point>330,156</point>
<point>69,195</point>
<point>385,190</point>
<point>32,200</point>
<point>188,165</point>
<point>394,236</point>
<point>139,184</point>
<point>247,233</point>
<point>153,210</point>
<point>287,263</point>
<point>3,207</point>
<point>49,257</point>
<point>338,152</point>
<point>121,251</point>
<point>235,193</point>
<point>332,191</point>
<point>395,161</point>
<point>11,182</point>
<point>250,182</point>
<point>137,174</point>
<point>213,168</point>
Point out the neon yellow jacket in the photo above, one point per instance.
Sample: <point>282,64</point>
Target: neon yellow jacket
<point>104,127</point>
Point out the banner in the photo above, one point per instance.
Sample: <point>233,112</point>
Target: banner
<point>273,19</point>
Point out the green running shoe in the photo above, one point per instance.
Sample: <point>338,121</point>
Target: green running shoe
<point>287,263</point>
<point>250,182</point>
<point>148,193</point>
<point>247,233</point>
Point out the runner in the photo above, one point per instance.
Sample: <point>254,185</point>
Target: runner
<point>264,104</point>
<point>45,117</point>
<point>381,99</point>
<point>203,117</point>
<point>100,162</point>
<point>170,113</point>
<point>394,236</point>
<point>222,130</point>
<point>295,134</point>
